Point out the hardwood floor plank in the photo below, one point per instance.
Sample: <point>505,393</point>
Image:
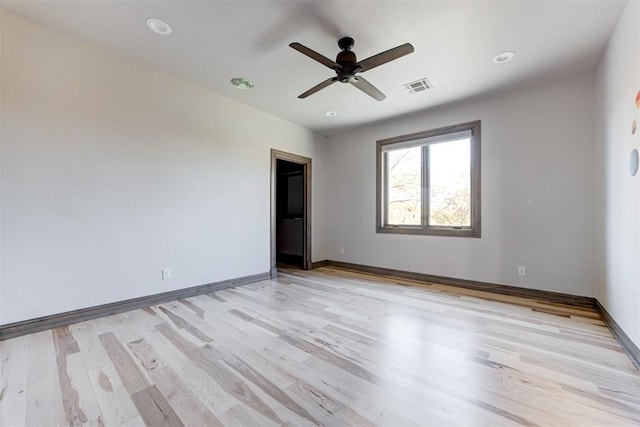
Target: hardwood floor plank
<point>197,310</point>
<point>319,359</point>
<point>334,411</point>
<point>209,392</point>
<point>154,408</point>
<point>44,397</point>
<point>113,399</point>
<point>131,376</point>
<point>146,355</point>
<point>66,345</point>
<point>188,407</point>
<point>326,347</point>
<point>262,382</point>
<point>227,380</point>
<point>238,416</point>
<point>186,404</point>
<point>87,399</point>
<point>183,324</point>
<point>324,407</point>
<point>215,296</point>
<point>13,381</point>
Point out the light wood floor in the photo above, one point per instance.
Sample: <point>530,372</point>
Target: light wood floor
<point>325,347</point>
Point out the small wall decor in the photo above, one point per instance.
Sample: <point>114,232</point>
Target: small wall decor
<point>638,100</point>
<point>633,127</point>
<point>633,162</point>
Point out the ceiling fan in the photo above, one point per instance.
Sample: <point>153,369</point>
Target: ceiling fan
<point>346,66</point>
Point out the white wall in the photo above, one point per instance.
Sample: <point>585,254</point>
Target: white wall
<point>1,298</point>
<point>112,171</point>
<point>617,192</point>
<point>537,192</point>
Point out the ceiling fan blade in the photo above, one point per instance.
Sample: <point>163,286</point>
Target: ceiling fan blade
<point>386,56</point>
<point>318,87</point>
<point>367,88</point>
<point>315,55</point>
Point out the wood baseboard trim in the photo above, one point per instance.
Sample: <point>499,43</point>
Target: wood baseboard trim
<point>12,330</point>
<point>549,296</point>
<point>319,264</point>
<point>623,339</point>
<point>618,333</point>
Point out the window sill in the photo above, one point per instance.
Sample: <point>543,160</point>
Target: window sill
<point>431,231</point>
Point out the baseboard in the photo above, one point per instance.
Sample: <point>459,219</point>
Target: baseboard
<point>319,264</point>
<point>549,296</point>
<point>25,327</point>
<point>623,339</point>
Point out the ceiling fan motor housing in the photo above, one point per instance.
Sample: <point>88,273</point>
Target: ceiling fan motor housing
<point>347,61</point>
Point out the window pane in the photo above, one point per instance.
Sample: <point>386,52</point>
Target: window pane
<point>404,186</point>
<point>450,183</point>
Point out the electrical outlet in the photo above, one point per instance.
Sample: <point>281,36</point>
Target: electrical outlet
<point>341,251</point>
<point>166,273</point>
<point>522,270</point>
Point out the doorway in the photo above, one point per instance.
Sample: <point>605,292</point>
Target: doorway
<point>290,211</point>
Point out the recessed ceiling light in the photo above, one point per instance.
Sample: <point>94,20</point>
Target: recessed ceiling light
<point>242,83</point>
<point>158,26</point>
<point>503,57</point>
<point>330,113</point>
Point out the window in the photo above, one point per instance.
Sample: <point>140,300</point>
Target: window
<point>429,182</point>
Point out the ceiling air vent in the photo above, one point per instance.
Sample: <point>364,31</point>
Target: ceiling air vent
<point>418,86</point>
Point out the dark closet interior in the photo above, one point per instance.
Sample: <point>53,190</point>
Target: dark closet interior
<point>290,213</point>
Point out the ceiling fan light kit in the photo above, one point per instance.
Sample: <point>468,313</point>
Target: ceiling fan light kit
<point>346,66</point>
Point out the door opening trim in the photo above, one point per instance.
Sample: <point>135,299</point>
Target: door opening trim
<point>306,162</point>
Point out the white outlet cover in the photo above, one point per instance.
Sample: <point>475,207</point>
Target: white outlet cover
<point>166,273</point>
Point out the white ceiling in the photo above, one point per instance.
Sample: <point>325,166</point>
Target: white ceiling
<point>455,42</point>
